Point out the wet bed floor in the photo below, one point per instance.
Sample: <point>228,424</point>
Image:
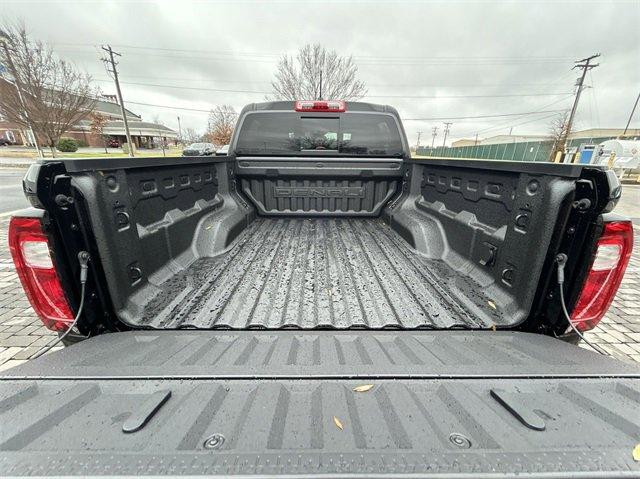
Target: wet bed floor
<point>310,273</point>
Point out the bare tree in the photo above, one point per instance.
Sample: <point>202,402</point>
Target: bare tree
<point>558,133</point>
<point>55,96</point>
<point>98,122</point>
<point>157,120</point>
<point>190,135</point>
<point>316,74</point>
<point>222,121</point>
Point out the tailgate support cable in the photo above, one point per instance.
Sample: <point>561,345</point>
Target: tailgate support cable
<point>83,259</point>
<point>561,259</point>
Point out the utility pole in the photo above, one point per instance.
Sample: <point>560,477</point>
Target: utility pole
<point>586,65</point>
<point>114,71</point>
<point>418,140</point>
<point>631,116</point>
<point>179,130</point>
<point>434,133</point>
<point>447,124</point>
<point>475,143</point>
<point>320,94</point>
<point>16,79</point>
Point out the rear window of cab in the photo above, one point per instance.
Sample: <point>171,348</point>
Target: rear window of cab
<point>286,133</point>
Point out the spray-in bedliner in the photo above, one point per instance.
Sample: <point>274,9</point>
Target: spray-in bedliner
<point>320,273</point>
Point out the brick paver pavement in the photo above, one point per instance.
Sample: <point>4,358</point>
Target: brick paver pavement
<point>22,334</point>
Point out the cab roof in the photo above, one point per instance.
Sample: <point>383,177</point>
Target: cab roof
<point>289,105</point>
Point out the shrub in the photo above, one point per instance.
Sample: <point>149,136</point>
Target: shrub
<point>67,145</point>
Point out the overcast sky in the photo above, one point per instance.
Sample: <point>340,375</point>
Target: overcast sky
<point>428,59</point>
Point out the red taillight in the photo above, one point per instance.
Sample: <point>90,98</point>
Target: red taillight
<point>332,106</point>
<point>605,274</point>
<point>30,251</point>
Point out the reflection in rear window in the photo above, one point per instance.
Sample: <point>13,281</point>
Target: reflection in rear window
<point>291,132</point>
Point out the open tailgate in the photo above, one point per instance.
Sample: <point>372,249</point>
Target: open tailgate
<point>298,403</point>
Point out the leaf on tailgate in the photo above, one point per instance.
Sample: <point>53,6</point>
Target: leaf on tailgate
<point>337,422</point>
<point>636,453</point>
<point>492,304</point>
<point>493,327</point>
<point>364,388</point>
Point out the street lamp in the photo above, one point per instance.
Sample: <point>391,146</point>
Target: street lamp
<point>3,39</point>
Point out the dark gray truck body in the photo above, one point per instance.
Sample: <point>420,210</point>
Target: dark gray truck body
<point>247,296</point>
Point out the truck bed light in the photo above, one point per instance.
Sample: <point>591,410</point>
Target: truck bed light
<point>331,106</point>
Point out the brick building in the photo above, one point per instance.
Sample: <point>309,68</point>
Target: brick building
<point>144,134</point>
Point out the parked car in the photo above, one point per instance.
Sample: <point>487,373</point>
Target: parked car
<point>5,141</point>
<point>199,149</point>
<point>113,143</point>
<point>320,304</point>
<point>223,151</point>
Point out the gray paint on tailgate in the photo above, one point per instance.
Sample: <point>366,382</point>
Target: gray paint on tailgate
<point>287,427</point>
<point>273,396</point>
<point>322,354</point>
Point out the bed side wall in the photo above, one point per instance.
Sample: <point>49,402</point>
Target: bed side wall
<point>151,222</point>
<point>493,225</point>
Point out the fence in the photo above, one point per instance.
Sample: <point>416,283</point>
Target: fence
<point>528,151</point>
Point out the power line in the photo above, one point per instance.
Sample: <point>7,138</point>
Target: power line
<point>366,58</point>
<point>555,82</point>
<point>586,65</point>
<point>209,80</point>
<point>186,57</point>
<point>176,87</point>
<point>178,50</point>
<point>457,62</point>
<point>524,122</point>
<point>201,110</point>
<point>479,116</point>
<point>225,90</point>
<point>443,62</point>
<point>633,110</point>
<point>540,111</point>
<point>395,85</point>
<point>169,106</point>
<point>111,61</point>
<point>448,97</point>
<point>595,100</point>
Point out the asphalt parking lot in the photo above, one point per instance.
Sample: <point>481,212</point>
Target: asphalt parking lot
<point>22,335</point>
<point>11,195</point>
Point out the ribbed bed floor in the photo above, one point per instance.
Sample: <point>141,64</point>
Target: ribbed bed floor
<point>316,273</point>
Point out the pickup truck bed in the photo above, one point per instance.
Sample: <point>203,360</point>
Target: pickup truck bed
<point>315,272</point>
<point>277,243</point>
<point>476,404</point>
